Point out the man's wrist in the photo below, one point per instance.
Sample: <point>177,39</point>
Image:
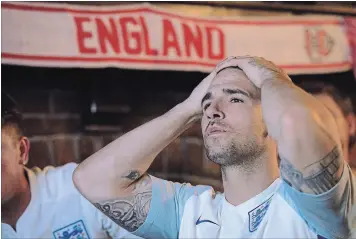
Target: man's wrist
<point>272,81</point>
<point>186,110</point>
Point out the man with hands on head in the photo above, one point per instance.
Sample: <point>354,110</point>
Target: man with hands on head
<point>251,113</point>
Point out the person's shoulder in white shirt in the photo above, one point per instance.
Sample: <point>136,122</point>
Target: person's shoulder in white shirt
<point>42,203</point>
<point>58,210</point>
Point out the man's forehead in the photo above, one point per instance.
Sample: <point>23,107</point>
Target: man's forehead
<point>234,78</point>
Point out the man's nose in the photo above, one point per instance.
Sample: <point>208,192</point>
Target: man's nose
<point>214,112</point>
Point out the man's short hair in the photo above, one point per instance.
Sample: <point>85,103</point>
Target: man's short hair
<point>318,87</point>
<point>11,114</point>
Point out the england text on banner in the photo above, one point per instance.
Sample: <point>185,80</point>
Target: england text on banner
<point>146,37</point>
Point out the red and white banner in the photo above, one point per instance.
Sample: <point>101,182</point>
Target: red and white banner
<point>147,37</point>
<point>351,33</point>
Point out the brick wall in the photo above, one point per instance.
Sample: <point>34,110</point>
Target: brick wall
<point>54,124</point>
<point>53,101</point>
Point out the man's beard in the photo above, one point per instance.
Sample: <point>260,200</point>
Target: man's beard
<point>244,155</point>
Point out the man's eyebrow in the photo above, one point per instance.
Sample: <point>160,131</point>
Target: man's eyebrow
<point>207,96</point>
<point>236,91</point>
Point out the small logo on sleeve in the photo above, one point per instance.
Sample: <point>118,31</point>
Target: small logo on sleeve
<point>202,221</point>
<point>256,215</point>
<point>75,230</point>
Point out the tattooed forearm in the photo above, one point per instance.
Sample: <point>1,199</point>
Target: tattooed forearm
<point>130,212</point>
<point>316,178</point>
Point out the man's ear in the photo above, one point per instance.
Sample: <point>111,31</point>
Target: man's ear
<point>24,150</point>
<point>351,122</point>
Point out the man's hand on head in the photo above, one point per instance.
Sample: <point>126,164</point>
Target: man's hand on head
<point>193,102</point>
<point>257,69</point>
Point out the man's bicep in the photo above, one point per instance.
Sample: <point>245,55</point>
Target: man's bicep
<point>328,213</point>
<point>317,183</point>
<point>316,178</point>
<point>153,211</point>
<point>111,228</point>
<point>311,157</point>
<point>130,211</point>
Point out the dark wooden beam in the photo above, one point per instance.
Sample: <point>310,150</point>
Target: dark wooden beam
<point>324,8</point>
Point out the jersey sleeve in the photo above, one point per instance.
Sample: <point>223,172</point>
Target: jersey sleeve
<point>167,207</point>
<point>327,214</point>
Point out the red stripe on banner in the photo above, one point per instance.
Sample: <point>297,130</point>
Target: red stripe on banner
<point>99,59</point>
<point>151,10</point>
<point>178,62</point>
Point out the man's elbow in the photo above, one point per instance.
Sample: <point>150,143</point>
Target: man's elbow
<point>309,128</point>
<point>302,119</point>
<point>294,120</point>
<point>96,186</point>
<point>78,178</point>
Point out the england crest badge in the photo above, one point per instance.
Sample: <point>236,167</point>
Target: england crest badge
<point>256,215</point>
<point>75,230</point>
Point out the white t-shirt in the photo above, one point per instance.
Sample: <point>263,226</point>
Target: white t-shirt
<point>57,210</point>
<point>280,211</point>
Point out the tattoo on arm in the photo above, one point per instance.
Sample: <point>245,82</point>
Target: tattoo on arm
<point>130,212</point>
<point>133,175</point>
<point>316,178</point>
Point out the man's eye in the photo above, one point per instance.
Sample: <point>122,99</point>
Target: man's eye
<point>206,106</point>
<point>236,100</point>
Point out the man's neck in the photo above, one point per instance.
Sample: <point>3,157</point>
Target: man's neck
<point>13,208</point>
<point>241,184</point>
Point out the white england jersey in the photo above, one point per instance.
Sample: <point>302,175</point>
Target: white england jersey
<point>57,210</point>
<point>280,211</point>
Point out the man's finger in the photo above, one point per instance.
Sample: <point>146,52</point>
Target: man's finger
<point>223,61</point>
<point>228,59</point>
<point>240,62</point>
